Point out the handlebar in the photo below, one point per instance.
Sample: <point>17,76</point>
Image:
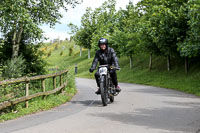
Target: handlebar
<point>110,66</point>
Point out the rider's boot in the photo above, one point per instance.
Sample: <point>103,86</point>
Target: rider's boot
<point>98,91</point>
<point>117,88</point>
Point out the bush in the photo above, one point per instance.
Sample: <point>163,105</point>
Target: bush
<point>49,53</point>
<point>30,52</point>
<point>14,68</point>
<point>8,92</point>
<point>70,80</point>
<point>61,53</point>
<point>70,51</point>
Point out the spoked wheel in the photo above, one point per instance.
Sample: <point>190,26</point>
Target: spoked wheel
<point>111,93</point>
<point>104,93</point>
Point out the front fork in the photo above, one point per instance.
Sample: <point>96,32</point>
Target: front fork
<point>103,78</point>
<point>111,87</point>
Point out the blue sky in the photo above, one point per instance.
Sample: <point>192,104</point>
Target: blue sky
<point>74,16</point>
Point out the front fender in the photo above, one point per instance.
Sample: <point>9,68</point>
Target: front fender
<point>102,78</point>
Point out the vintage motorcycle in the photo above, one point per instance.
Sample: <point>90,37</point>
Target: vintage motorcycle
<point>107,87</point>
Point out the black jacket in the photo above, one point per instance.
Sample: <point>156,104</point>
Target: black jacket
<point>105,57</point>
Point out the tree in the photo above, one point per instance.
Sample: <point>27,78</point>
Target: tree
<point>32,57</point>
<point>189,44</point>
<point>95,24</point>
<point>75,36</point>
<point>125,35</point>
<point>165,26</point>
<point>146,44</point>
<point>83,35</point>
<point>24,16</point>
<point>104,20</point>
<point>89,28</point>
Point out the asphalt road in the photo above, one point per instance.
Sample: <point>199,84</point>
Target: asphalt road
<point>137,109</point>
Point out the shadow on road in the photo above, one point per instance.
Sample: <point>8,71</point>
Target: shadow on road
<point>88,102</point>
<point>166,118</point>
<point>163,92</point>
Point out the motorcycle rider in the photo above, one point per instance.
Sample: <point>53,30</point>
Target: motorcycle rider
<point>105,55</point>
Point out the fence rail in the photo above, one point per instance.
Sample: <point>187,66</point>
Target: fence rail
<point>26,81</point>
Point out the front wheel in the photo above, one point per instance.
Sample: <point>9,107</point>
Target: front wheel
<point>104,93</point>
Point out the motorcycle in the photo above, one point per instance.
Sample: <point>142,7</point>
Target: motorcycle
<point>107,87</point>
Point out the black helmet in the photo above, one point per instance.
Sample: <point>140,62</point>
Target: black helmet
<point>103,41</point>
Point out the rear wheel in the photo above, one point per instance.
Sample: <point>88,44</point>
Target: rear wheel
<point>104,94</point>
<point>111,91</point>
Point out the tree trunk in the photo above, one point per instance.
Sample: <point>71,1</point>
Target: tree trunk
<point>15,48</point>
<point>20,34</point>
<point>186,64</point>
<point>80,51</point>
<point>88,53</point>
<point>16,41</point>
<point>131,61</point>
<point>150,62</point>
<point>168,63</point>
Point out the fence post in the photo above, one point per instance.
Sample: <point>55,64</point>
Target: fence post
<point>27,91</point>
<point>27,81</point>
<point>43,87</point>
<point>54,82</point>
<point>76,69</point>
<point>61,83</point>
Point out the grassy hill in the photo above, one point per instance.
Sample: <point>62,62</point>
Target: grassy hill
<point>140,74</point>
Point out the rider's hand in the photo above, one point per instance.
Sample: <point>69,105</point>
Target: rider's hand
<point>91,70</point>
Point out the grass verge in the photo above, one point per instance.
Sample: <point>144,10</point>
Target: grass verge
<point>159,76</point>
<point>38,104</point>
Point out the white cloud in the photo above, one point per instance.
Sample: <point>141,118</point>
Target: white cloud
<point>53,35</point>
<point>73,15</point>
<point>60,31</point>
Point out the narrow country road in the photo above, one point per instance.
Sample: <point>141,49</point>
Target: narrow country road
<point>137,109</point>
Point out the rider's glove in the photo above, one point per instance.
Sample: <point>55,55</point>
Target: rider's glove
<point>91,70</point>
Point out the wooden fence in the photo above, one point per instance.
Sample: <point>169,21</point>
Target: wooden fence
<point>26,81</point>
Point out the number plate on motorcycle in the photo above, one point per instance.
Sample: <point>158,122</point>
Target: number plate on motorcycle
<point>103,70</point>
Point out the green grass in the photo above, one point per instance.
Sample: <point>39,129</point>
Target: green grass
<point>38,105</point>
<point>55,60</point>
<point>65,61</point>
<point>159,76</point>
<point>175,79</point>
<point>140,74</point>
